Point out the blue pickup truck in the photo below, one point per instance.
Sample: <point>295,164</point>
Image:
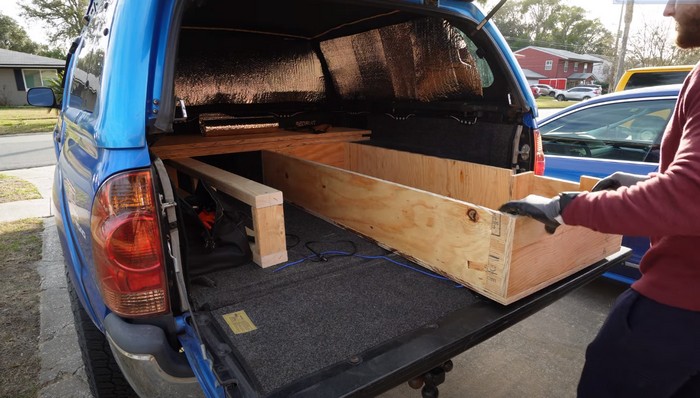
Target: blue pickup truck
<point>170,303</point>
<point>615,132</point>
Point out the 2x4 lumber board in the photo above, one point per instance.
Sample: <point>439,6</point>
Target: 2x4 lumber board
<point>180,146</point>
<point>470,182</point>
<point>446,235</point>
<point>270,247</point>
<point>247,191</point>
<point>265,202</point>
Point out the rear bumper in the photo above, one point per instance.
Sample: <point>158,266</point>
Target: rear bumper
<point>148,362</point>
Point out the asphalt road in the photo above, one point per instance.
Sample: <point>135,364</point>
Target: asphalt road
<point>542,113</point>
<point>26,150</point>
<point>540,357</point>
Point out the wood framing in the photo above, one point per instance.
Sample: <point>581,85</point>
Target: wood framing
<point>182,146</point>
<point>265,202</point>
<point>435,214</point>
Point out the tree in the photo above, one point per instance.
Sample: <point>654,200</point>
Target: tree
<point>688,57</point>
<point>63,19</point>
<point>14,37</point>
<point>549,23</point>
<point>653,46</point>
<point>52,52</point>
<point>629,11</point>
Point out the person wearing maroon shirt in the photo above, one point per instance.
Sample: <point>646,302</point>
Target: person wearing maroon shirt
<point>649,346</point>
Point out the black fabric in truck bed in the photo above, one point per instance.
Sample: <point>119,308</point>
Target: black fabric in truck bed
<point>314,314</point>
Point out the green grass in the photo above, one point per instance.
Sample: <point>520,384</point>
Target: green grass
<point>20,248</point>
<point>549,102</point>
<point>26,119</point>
<point>13,189</point>
<point>21,241</point>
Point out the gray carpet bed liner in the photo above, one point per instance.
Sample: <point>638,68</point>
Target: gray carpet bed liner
<point>315,314</point>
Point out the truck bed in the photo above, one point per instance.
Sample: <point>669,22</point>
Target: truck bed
<point>317,319</point>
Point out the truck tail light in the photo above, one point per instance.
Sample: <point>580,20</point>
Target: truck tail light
<point>127,248</point>
<point>539,153</point>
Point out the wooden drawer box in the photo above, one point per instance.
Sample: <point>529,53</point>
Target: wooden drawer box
<point>438,213</point>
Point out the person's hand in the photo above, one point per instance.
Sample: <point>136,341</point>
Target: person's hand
<point>545,210</point>
<point>618,179</point>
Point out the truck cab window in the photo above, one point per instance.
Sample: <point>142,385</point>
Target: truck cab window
<point>87,77</point>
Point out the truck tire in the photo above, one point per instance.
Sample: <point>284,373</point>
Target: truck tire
<point>104,376</point>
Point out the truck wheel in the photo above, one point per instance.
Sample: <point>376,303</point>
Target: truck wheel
<point>561,97</point>
<point>104,376</point>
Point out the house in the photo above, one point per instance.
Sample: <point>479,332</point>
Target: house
<point>533,77</point>
<point>561,69</point>
<point>21,71</point>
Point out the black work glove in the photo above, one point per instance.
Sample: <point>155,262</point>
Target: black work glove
<point>545,210</point>
<point>618,179</point>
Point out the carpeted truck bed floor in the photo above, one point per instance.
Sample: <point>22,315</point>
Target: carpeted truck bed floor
<point>314,314</point>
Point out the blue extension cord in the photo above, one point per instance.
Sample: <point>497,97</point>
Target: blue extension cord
<point>340,253</point>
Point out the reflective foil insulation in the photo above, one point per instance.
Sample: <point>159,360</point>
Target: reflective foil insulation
<point>423,60</point>
<point>224,67</point>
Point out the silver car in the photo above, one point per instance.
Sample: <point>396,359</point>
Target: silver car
<point>578,93</point>
<point>546,89</point>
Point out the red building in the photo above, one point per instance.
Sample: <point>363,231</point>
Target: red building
<point>561,69</point>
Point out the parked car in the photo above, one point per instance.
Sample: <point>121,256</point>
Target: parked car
<point>535,91</point>
<point>578,93</point>
<point>598,86</point>
<point>165,306</point>
<point>653,76</point>
<point>546,89</point>
<point>615,132</point>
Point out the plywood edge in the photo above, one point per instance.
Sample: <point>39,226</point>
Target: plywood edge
<point>586,183</point>
<point>494,275</point>
<point>550,187</point>
<point>554,257</point>
<point>521,185</point>
<point>330,153</point>
<point>180,146</point>
<point>247,191</point>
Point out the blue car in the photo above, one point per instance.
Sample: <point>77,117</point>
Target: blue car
<point>614,132</point>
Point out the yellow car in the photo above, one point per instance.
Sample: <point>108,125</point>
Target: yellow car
<point>652,76</point>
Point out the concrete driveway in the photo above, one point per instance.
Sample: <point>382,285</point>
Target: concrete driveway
<point>541,356</point>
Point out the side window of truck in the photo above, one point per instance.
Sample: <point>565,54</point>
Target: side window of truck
<point>87,75</point>
<point>481,64</point>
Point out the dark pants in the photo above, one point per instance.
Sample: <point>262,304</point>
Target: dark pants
<point>644,349</point>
